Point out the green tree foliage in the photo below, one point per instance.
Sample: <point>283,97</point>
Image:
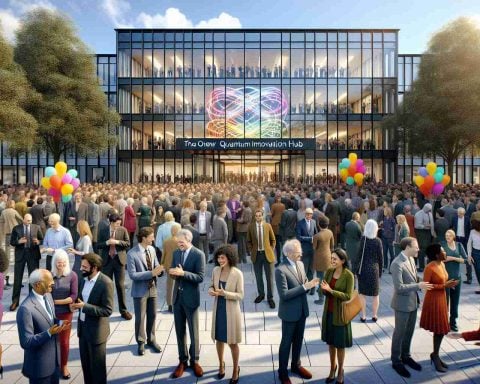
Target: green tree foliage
<point>441,115</point>
<point>72,113</point>
<point>17,126</point>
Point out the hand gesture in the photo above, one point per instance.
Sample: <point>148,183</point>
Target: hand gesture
<point>312,283</point>
<point>176,271</point>
<point>425,285</point>
<point>54,329</point>
<point>451,283</point>
<point>22,240</point>
<point>470,260</point>
<point>78,305</point>
<point>325,286</point>
<point>212,292</point>
<point>157,271</point>
<point>220,292</point>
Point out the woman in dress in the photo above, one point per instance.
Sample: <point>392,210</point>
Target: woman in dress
<point>130,220</point>
<point>434,316</point>
<point>456,255</point>
<point>64,293</point>
<point>227,288</point>
<point>3,268</point>
<point>145,214</point>
<point>369,269</point>
<point>401,230</point>
<point>83,246</point>
<point>337,287</point>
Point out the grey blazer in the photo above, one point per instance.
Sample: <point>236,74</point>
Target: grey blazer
<point>293,297</point>
<point>208,221</point>
<point>405,284</point>
<point>220,230</point>
<point>138,271</point>
<point>41,352</point>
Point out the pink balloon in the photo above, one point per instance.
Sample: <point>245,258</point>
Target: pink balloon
<point>54,192</point>
<point>66,179</point>
<point>437,188</point>
<point>359,163</point>
<point>361,169</point>
<point>75,183</point>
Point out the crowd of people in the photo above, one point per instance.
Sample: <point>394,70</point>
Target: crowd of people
<point>317,239</point>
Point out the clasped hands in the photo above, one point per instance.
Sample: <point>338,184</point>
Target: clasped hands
<point>54,329</point>
<point>216,291</point>
<point>312,283</point>
<point>112,242</point>
<point>178,271</point>
<point>77,305</point>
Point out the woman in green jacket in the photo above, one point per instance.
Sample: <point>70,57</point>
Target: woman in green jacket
<point>337,287</point>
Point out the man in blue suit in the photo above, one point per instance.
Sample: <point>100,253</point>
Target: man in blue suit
<point>292,286</point>
<point>37,331</point>
<point>188,270</point>
<point>306,229</point>
<point>143,269</point>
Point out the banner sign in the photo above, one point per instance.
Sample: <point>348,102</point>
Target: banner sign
<point>245,144</point>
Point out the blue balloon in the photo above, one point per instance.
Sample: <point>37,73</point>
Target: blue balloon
<point>341,166</point>
<point>346,163</point>
<point>422,171</point>
<point>441,170</point>
<point>73,173</point>
<point>50,171</point>
<point>66,198</point>
<point>438,176</point>
<point>350,180</point>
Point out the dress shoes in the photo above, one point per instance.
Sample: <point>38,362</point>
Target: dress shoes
<point>412,364</point>
<point>259,299</point>
<point>154,347</point>
<point>302,372</point>
<point>401,370</point>
<point>141,349</point>
<point>454,327</point>
<point>477,292</point>
<point>178,372</point>
<point>170,309</point>
<point>467,282</point>
<point>284,380</point>
<point>271,303</point>
<point>14,306</point>
<point>197,369</point>
<point>126,315</point>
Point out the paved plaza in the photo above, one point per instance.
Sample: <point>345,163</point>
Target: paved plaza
<point>368,361</point>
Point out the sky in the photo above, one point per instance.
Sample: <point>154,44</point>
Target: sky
<point>95,20</point>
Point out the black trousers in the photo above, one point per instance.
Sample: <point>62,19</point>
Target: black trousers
<point>26,257</point>
<point>114,268</point>
<point>94,360</point>
<point>292,337</point>
<point>453,299</point>
<point>53,379</point>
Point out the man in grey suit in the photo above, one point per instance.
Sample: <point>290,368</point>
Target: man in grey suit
<point>37,331</point>
<point>143,269</point>
<point>188,270</point>
<point>405,301</point>
<point>292,286</point>
<point>204,228</point>
<point>75,211</point>
<point>95,305</point>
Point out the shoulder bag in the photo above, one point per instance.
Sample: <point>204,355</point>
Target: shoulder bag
<point>358,268</point>
<point>350,308</point>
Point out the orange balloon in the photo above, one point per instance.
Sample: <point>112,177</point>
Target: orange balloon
<point>352,169</point>
<point>429,181</point>
<point>425,190</point>
<point>55,181</point>
<point>446,180</point>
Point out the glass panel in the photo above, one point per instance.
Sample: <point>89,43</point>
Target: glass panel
<point>342,99</point>
<point>320,99</point>
<point>147,99</point>
<point>169,99</point>
<point>342,63</point>
<point>137,135</point>
<point>321,62</point>
<point>321,134</point>
<point>198,129</point>
<point>377,62</point>
<point>158,63</point>
<point>137,99</point>
<point>354,135</point>
<point>389,69</point>
<point>147,135</point>
<point>234,63</point>
<point>169,135</point>
<point>123,36</point>
<point>297,99</point>
<point>273,111</point>
<point>219,63</point>
<point>198,63</point>
<point>252,63</point>
<point>285,63</point>
<point>332,99</point>
<point>169,62</point>
<point>179,66</point>
<point>298,63</point>
<point>355,103</point>
<point>342,135</point>
<point>377,99</point>
<point>309,63</point>
<point>187,99</point>
<point>367,98</point>
<point>210,68</point>
<point>332,62</point>
<point>389,98</point>
<point>198,105</point>
<point>354,63</point>
<point>124,136</point>
<point>158,98</point>
<point>309,99</point>
<point>367,62</point>
<point>332,135</point>
<point>178,99</point>
<point>158,135</point>
<point>187,63</point>
<point>124,99</point>
<point>270,63</point>
<point>124,63</point>
<point>297,129</point>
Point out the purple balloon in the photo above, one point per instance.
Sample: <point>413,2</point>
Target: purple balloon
<point>75,183</point>
<point>361,169</point>
<point>437,188</point>
<point>66,179</point>
<point>422,171</point>
<point>359,163</point>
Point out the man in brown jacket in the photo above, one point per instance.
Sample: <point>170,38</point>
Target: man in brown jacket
<point>261,243</point>
<point>277,209</point>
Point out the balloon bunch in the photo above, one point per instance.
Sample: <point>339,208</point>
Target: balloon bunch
<point>59,182</point>
<point>431,180</point>
<point>352,170</point>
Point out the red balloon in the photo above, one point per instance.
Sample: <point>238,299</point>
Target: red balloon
<point>352,170</point>
<point>425,190</point>
<point>55,181</point>
<point>429,182</point>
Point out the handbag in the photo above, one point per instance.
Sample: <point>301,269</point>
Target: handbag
<point>350,308</point>
<point>358,268</point>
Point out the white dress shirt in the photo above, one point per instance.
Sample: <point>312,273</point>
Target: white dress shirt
<point>461,226</point>
<point>202,220</point>
<point>87,289</point>
<point>41,300</point>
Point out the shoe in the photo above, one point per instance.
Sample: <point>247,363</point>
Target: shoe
<point>444,365</point>
<point>341,382</point>
<point>178,372</point>
<point>477,292</point>
<point>435,360</point>
<point>170,309</point>
<point>454,327</point>
<point>126,315</point>
<point>155,347</point>
<point>284,380</point>
<point>259,299</point>
<point>141,349</point>
<point>68,376</point>
<point>13,307</point>
<point>210,261</point>
<point>197,369</point>
<point>374,319</point>
<point>363,319</point>
<point>235,381</point>
<point>302,372</point>
<point>467,282</point>
<point>331,379</point>
<point>271,303</point>
<point>318,302</point>
<point>312,291</point>
<point>401,370</point>
<point>412,363</point>
<point>220,374</point>
<point>1,371</point>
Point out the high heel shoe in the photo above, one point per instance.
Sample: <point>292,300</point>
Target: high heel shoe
<point>331,379</point>
<point>220,375</point>
<point>1,372</point>
<point>435,360</point>
<point>235,381</point>
<point>341,382</point>
<point>444,365</point>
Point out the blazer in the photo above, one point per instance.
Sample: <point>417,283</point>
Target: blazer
<point>9,219</point>
<point>138,271</point>
<point>194,269</point>
<point>219,230</point>
<point>38,217</point>
<point>169,247</point>
<point>41,352</point>
<point>268,241</point>
<point>208,221</point>
<point>233,296</point>
<point>81,214</point>
<point>466,226</point>
<point>305,236</point>
<point>276,211</point>
<point>293,296</point>
<point>343,292</point>
<point>288,221</point>
<point>18,233</point>
<point>97,310</point>
<point>244,220</point>
<point>120,234</point>
<point>323,244</point>
<point>405,285</point>
<point>195,235</point>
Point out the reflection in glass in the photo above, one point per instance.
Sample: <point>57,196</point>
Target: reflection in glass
<point>332,63</point>
<point>298,63</point>
<point>321,63</point>
<point>252,63</point>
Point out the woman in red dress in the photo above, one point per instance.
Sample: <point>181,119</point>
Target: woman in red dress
<point>435,310</point>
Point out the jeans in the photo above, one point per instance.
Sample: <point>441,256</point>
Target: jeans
<point>453,299</point>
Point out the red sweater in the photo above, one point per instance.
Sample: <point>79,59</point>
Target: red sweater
<point>470,336</point>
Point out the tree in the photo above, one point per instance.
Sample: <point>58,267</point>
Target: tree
<point>17,127</point>
<point>441,115</point>
<point>72,113</point>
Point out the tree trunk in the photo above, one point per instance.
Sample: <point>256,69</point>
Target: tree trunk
<point>450,163</point>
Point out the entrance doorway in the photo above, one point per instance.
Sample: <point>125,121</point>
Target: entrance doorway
<point>246,168</point>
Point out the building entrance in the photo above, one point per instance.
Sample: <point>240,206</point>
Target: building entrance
<point>244,168</point>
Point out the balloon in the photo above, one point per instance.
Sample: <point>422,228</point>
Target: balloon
<point>431,168</point>
<point>61,168</point>
<point>429,181</point>
<point>437,189</point>
<point>55,181</point>
<point>425,190</point>
<point>352,157</point>
<point>438,176</point>
<point>341,166</point>
<point>362,169</point>
<point>422,171</point>
<point>75,183</point>
<point>45,182</point>
<point>344,173</point>
<point>419,180</point>
<point>350,180</point>
<point>50,171</point>
<point>66,179</point>
<point>73,173</point>
<point>56,199</point>
<point>359,162</point>
<point>358,178</point>
<point>352,170</point>
<point>67,189</point>
<point>441,170</point>
<point>346,162</point>
<point>66,198</point>
<point>446,180</point>
<point>54,192</point>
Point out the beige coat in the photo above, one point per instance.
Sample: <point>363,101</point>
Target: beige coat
<point>233,296</point>
<point>9,219</point>
<point>323,244</point>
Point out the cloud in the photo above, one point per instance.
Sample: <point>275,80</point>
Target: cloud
<point>224,20</point>
<point>9,23</point>
<point>22,6</point>
<point>116,11</point>
<point>173,18</point>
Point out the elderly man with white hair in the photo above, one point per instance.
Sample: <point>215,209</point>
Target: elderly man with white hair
<point>57,237</point>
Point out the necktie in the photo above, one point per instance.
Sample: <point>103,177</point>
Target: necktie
<point>27,235</point>
<point>149,266</point>
<point>183,258</point>
<point>47,306</point>
<point>112,251</point>
<point>260,237</point>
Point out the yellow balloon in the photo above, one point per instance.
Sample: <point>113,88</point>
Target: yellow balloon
<point>431,168</point>
<point>352,157</point>
<point>46,182</point>
<point>61,168</point>
<point>344,172</point>
<point>419,180</point>
<point>358,178</point>
<point>67,189</point>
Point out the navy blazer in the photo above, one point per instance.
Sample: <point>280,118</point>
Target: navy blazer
<point>467,225</point>
<point>304,236</point>
<point>138,271</point>
<point>189,283</point>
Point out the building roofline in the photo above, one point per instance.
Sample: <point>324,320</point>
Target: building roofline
<point>411,54</point>
<point>260,29</point>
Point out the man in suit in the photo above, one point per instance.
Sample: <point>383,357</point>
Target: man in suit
<point>261,244</point>
<point>9,218</point>
<point>191,228</point>
<point>143,269</point>
<point>461,226</point>
<point>113,243</point>
<point>243,222</point>
<point>188,270</point>
<point>405,301</point>
<point>38,329</point>
<point>277,210</point>
<point>75,211</point>
<point>175,209</point>
<point>292,287</point>
<point>306,229</point>
<point>25,238</point>
<point>38,218</point>
<point>288,222</point>
<point>204,228</point>
<point>95,305</point>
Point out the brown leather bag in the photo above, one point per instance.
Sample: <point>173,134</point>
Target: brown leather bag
<point>350,308</point>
